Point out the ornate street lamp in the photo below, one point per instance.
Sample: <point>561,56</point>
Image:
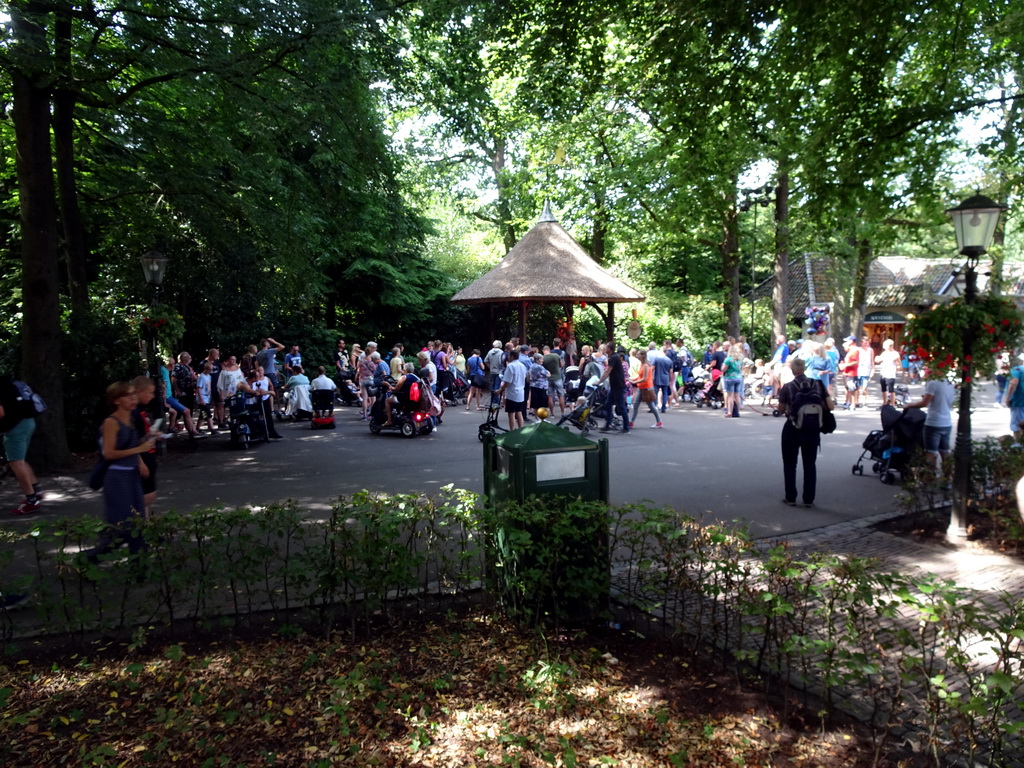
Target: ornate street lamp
<point>154,264</point>
<point>975,221</point>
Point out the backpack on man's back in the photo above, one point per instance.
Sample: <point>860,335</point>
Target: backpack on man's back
<point>806,409</point>
<point>30,403</point>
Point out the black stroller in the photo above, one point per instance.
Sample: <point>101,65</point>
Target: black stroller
<point>602,405</point>
<point>892,447</point>
<point>573,383</point>
<point>491,425</point>
<point>710,394</point>
<point>348,392</point>
<point>693,387</point>
<point>246,421</point>
<point>582,414</point>
<point>457,390</point>
<point>902,395</point>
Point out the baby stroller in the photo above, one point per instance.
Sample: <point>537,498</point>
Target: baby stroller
<point>893,446</point>
<point>491,425</point>
<point>348,392</point>
<point>711,393</point>
<point>323,409</point>
<point>601,406</point>
<point>902,395</point>
<point>573,384</point>
<point>582,416</point>
<point>458,387</point>
<point>245,421</point>
<point>693,387</point>
<point>445,387</point>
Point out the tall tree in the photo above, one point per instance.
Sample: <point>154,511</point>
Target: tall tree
<point>122,80</point>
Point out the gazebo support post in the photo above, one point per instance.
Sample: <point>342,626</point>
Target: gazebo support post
<point>609,322</point>
<point>522,321</point>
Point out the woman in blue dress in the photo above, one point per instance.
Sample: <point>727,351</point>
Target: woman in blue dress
<point>121,447</point>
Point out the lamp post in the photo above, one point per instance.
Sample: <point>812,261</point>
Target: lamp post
<point>154,265</point>
<point>974,221</point>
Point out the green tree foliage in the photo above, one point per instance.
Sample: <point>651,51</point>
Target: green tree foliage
<point>246,143</point>
<point>644,118</point>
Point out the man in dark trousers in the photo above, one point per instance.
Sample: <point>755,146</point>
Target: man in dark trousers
<point>803,402</point>
<point>616,377</point>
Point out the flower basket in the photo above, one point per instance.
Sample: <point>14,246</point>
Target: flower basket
<point>938,336</point>
<point>162,323</point>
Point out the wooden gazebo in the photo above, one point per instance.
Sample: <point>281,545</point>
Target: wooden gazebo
<point>547,266</point>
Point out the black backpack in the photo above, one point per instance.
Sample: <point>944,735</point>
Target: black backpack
<point>677,363</point>
<point>28,402</point>
<point>806,410</point>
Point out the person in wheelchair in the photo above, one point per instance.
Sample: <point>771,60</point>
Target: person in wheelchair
<point>405,393</point>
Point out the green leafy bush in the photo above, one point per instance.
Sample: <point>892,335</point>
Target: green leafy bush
<point>548,558</point>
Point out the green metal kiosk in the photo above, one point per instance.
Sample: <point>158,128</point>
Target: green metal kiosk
<point>549,560</point>
<point>544,460</point>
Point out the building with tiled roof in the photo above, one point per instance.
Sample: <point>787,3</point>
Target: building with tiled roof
<point>898,288</point>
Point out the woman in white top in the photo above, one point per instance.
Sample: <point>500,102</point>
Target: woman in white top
<point>888,366</point>
<point>428,371</point>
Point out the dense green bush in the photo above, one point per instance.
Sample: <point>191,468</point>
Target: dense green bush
<point>548,559</point>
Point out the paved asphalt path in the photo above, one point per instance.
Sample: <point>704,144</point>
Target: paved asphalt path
<point>724,469</point>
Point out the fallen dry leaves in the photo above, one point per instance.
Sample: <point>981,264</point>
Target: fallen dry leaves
<point>462,692</point>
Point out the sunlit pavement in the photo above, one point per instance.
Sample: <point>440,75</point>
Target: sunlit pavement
<point>724,469</point>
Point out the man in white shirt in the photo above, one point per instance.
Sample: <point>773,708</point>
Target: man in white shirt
<point>514,388</point>
<point>939,396</point>
<point>322,381</point>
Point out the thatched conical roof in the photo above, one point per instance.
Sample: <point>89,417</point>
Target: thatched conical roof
<point>547,265</point>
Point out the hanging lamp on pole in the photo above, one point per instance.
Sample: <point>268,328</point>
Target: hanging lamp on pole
<point>974,221</point>
<point>154,265</point>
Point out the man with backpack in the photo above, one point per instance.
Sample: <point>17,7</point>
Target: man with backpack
<point>803,402</point>
<point>18,409</point>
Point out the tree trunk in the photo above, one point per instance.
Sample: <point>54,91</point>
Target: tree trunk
<point>64,146</point>
<point>1010,142</point>
<point>780,285</point>
<point>730,253</point>
<point>862,268</point>
<point>508,230</point>
<point>599,233</point>
<point>40,328</point>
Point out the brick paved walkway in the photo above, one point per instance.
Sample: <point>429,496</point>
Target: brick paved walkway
<point>971,567</point>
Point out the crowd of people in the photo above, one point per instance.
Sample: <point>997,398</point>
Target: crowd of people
<point>190,397</point>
